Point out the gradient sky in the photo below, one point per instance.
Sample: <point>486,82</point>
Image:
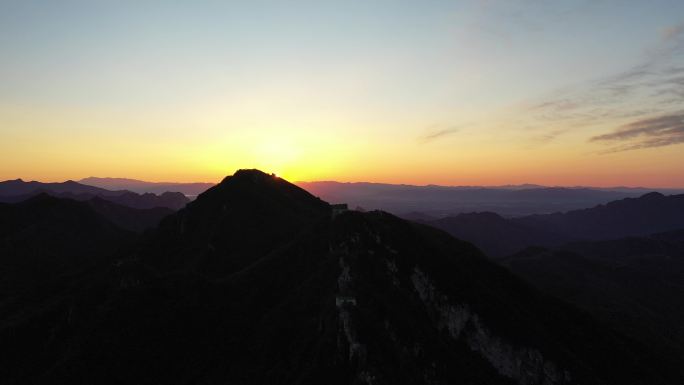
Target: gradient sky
<point>444,92</point>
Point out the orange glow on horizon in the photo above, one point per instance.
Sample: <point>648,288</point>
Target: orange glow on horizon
<point>418,93</point>
<point>344,149</point>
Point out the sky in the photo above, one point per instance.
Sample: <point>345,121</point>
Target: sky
<point>482,92</point>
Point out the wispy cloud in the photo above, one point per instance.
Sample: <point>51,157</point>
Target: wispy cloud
<point>653,87</point>
<point>660,131</point>
<point>435,132</point>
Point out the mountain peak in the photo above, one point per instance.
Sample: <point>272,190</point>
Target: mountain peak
<point>652,195</point>
<point>253,175</point>
<point>256,187</point>
<point>252,185</point>
<point>41,196</point>
<point>235,223</point>
<point>250,171</point>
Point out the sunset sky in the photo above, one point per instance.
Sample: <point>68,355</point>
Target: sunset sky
<point>442,92</point>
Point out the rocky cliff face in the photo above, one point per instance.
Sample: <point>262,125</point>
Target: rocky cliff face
<point>524,365</point>
<point>486,316</point>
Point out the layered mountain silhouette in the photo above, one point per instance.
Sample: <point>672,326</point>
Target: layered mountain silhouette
<point>440,201</point>
<point>650,213</point>
<point>500,237</point>
<point>635,284</point>
<point>137,220</point>
<point>495,235</point>
<point>603,259</point>
<point>18,190</point>
<point>45,238</point>
<point>139,186</point>
<point>257,281</point>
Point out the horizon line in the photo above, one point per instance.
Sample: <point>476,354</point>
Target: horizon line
<point>298,182</point>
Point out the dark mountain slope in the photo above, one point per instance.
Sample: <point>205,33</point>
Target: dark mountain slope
<point>46,237</point>
<point>13,191</point>
<point>636,284</point>
<point>495,235</point>
<point>358,298</point>
<point>129,218</point>
<point>48,247</point>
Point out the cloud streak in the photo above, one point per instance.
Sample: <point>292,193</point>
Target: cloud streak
<point>653,87</point>
<point>435,133</point>
<point>660,131</point>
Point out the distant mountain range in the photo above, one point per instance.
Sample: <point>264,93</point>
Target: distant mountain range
<point>427,201</point>
<point>441,201</point>
<point>139,186</point>
<point>259,282</point>
<point>18,190</point>
<point>498,236</point>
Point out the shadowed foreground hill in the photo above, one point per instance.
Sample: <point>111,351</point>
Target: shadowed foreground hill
<point>44,238</point>
<point>636,284</point>
<point>256,283</point>
<point>129,218</point>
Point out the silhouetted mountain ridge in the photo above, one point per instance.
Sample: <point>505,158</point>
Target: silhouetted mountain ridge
<point>139,186</point>
<point>648,214</point>
<point>18,190</point>
<point>256,282</point>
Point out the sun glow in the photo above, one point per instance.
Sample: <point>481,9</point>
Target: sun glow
<point>299,93</point>
<point>278,154</point>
